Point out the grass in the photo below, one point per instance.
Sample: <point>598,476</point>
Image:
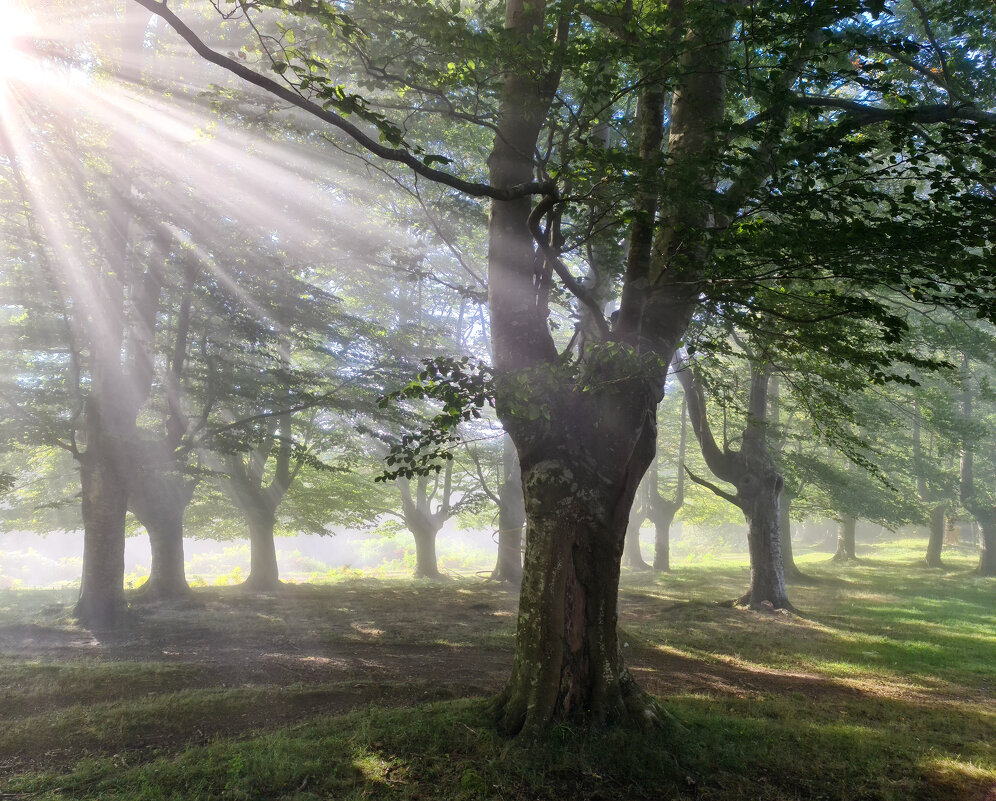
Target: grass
<point>882,688</point>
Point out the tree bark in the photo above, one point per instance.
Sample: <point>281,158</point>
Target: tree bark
<point>423,522</point>
<point>111,408</point>
<point>845,539</point>
<point>426,564</point>
<point>662,517</point>
<point>935,540</point>
<point>568,664</point>
<point>984,513</point>
<point>583,457</point>
<point>662,511</point>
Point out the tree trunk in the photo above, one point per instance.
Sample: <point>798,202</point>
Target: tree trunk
<point>845,539</point>
<point>662,539</point>
<point>511,520</point>
<point>632,556</point>
<point>426,564</point>
<point>158,499</point>
<point>102,601</point>
<point>792,572</point>
<point>767,574</point>
<point>568,664</point>
<point>987,545</point>
<point>935,541</point>
<point>264,576</point>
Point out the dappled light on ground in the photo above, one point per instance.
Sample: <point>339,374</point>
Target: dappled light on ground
<point>862,693</point>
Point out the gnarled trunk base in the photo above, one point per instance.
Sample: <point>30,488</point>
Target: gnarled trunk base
<point>568,665</point>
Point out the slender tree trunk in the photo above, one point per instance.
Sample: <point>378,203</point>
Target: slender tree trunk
<point>426,564</point>
<point>792,572</point>
<point>987,545</point>
<point>662,539</point>
<point>935,540</point>
<point>264,575</point>
<point>845,539</point>
<point>511,520</point>
<point>632,555</point>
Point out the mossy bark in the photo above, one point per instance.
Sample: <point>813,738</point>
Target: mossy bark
<point>761,509</point>
<point>568,663</point>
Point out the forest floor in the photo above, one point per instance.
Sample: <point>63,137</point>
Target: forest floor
<point>882,687</point>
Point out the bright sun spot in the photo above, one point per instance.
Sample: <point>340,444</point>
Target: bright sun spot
<point>15,30</point>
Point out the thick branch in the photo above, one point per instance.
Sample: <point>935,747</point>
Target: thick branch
<point>286,94</point>
<point>863,114</point>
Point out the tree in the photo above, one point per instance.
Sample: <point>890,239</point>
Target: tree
<point>733,149</point>
<point>752,471</point>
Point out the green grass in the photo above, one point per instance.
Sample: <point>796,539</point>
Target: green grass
<point>881,689</point>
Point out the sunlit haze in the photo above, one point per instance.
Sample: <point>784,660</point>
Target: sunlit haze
<point>15,30</point>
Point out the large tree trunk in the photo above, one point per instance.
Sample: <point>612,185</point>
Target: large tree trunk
<point>426,563</point>
<point>767,575</point>
<point>158,499</point>
<point>935,540</point>
<point>264,575</point>
<point>102,601</point>
<point>583,458</point>
<point>845,539</point>
<point>511,520</point>
<point>568,664</point>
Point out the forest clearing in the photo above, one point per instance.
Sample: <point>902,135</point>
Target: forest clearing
<point>498,399</point>
<point>882,689</point>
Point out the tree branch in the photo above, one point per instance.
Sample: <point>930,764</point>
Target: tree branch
<point>286,94</point>
<point>726,496</point>
<point>553,259</point>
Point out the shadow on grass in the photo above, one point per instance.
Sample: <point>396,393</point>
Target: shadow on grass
<point>726,749</point>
